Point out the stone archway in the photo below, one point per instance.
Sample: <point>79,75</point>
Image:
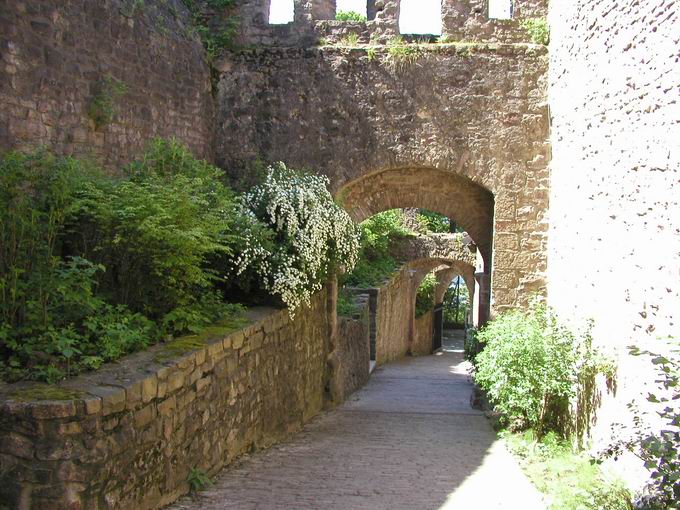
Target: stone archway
<point>470,205</point>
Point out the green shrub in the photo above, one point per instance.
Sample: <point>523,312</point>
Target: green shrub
<point>538,30</point>
<point>198,479</point>
<point>92,268</point>
<point>658,449</point>
<point>157,232</point>
<point>349,16</point>
<point>346,306</point>
<point>104,105</point>
<point>378,235</point>
<point>539,374</point>
<point>432,222</point>
<point>310,236</point>
<point>425,295</point>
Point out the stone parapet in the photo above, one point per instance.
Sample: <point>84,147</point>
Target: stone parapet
<point>127,436</point>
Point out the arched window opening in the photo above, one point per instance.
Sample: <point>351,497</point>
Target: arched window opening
<point>351,10</point>
<point>420,17</point>
<point>456,304</point>
<point>281,12</point>
<point>500,9</point>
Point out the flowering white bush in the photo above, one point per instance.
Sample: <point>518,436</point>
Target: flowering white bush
<point>312,235</point>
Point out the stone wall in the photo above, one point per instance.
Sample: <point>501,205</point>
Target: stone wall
<point>133,430</point>
<point>55,57</point>
<point>462,20</point>
<point>462,130</point>
<point>352,354</point>
<point>422,335</point>
<point>394,318</point>
<point>615,201</point>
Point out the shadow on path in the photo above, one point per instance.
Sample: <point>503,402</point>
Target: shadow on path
<point>408,440</point>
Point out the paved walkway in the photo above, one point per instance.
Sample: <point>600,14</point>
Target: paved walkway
<point>408,440</point>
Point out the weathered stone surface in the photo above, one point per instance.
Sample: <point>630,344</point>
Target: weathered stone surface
<point>445,132</point>
<point>133,444</point>
<point>54,56</point>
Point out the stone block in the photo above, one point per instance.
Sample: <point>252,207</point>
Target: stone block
<point>149,389</point>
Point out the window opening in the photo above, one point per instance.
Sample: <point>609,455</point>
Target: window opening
<point>281,12</point>
<point>500,9</point>
<point>421,17</point>
<point>357,6</point>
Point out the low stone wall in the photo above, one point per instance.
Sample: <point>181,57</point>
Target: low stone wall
<point>352,354</point>
<point>394,313</point>
<point>422,335</point>
<point>130,432</point>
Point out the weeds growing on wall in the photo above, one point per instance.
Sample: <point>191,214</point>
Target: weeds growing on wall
<point>537,29</point>
<point>94,267</point>
<point>350,16</point>
<point>104,104</point>
<point>349,40</point>
<point>539,374</point>
<point>400,55</point>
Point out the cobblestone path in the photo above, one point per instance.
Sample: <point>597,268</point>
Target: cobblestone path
<point>408,440</point>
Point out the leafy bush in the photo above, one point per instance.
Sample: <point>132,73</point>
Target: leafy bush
<point>311,235</point>
<point>538,30</point>
<point>378,234</point>
<point>198,479</point>
<point>346,306</point>
<point>92,268</point>
<point>157,231</point>
<point>432,222</point>
<point>539,374</point>
<point>658,449</point>
<point>425,295</point>
<point>350,16</point>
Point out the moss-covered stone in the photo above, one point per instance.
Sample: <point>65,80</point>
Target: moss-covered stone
<point>45,392</point>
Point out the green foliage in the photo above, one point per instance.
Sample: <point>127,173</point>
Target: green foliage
<point>350,16</point>
<point>456,304</point>
<point>539,374</point>
<point>215,40</point>
<point>156,232</point>
<point>311,236</point>
<point>432,222</point>
<point>378,234</point>
<point>52,322</point>
<point>131,8</point>
<point>658,449</point>
<point>198,479</point>
<point>401,55</point>
<point>538,30</point>
<point>92,268</point>
<point>472,347</point>
<point>425,295</point>
<point>103,106</point>
<point>568,479</point>
<point>346,306</point>
<point>349,40</point>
